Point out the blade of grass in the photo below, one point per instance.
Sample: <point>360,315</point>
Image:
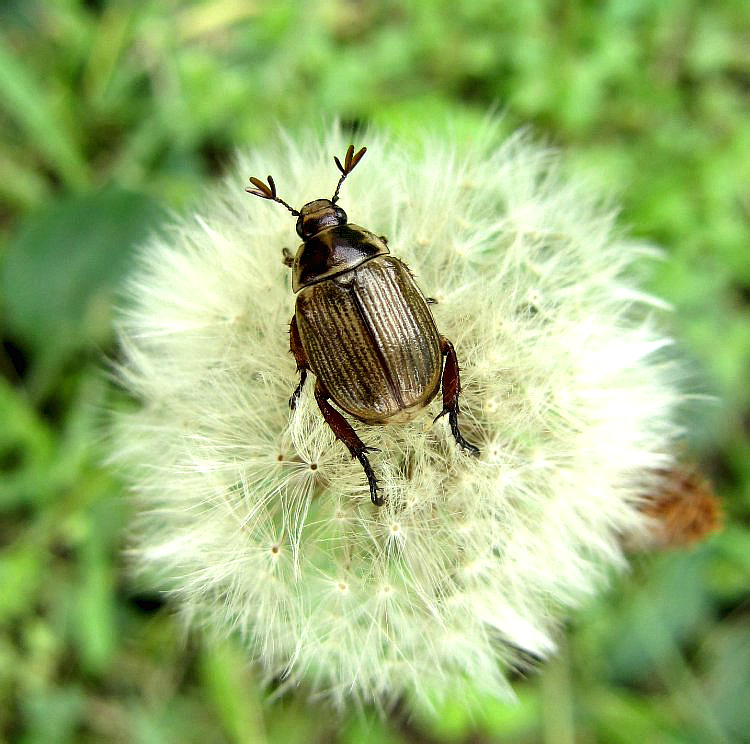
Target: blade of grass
<point>112,37</point>
<point>232,690</point>
<point>198,21</point>
<point>683,688</point>
<point>558,724</point>
<point>21,186</point>
<point>27,103</point>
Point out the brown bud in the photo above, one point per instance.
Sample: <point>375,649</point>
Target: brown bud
<point>683,507</point>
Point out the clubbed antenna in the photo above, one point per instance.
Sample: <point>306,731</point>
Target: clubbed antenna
<point>269,192</point>
<point>350,162</point>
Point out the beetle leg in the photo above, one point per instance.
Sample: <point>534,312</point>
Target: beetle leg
<point>287,258</point>
<point>295,346</point>
<point>344,432</point>
<point>431,301</point>
<point>451,390</point>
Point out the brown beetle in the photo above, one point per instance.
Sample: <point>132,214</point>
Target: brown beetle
<point>362,326</point>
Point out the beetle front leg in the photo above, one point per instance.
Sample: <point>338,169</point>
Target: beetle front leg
<point>451,390</point>
<point>344,432</point>
<point>295,346</point>
<point>287,258</point>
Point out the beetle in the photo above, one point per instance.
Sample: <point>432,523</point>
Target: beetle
<point>362,326</point>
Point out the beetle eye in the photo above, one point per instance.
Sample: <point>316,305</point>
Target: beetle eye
<point>341,216</point>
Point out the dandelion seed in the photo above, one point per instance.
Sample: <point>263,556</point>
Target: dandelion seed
<point>564,388</point>
<point>491,405</point>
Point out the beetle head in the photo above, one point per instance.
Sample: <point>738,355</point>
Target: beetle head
<point>318,215</point>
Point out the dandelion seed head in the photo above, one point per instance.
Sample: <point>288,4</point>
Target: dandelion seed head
<point>255,518</point>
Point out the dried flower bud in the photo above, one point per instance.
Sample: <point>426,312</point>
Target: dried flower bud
<point>683,507</point>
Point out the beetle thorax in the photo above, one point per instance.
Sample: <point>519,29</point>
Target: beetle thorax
<point>332,252</point>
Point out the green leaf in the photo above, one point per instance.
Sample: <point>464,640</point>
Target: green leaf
<point>26,451</point>
<point>665,612</point>
<point>225,675</point>
<point>62,269</point>
<point>371,729</point>
<point>726,660</point>
<point>22,571</point>
<point>621,717</point>
<point>52,716</point>
<point>95,631</point>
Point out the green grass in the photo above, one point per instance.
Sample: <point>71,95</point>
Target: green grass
<point>114,112</point>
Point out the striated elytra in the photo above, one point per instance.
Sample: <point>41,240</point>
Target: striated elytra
<point>362,326</point>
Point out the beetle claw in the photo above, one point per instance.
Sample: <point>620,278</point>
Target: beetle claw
<point>467,447</point>
<point>359,452</point>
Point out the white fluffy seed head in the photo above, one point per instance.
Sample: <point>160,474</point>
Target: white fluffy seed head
<point>257,520</point>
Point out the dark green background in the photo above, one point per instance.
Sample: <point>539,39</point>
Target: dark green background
<point>114,112</point>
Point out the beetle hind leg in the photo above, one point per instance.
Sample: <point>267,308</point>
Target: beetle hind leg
<point>344,432</point>
<point>295,346</point>
<point>451,390</point>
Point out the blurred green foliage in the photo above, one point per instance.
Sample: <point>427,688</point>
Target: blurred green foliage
<point>113,112</point>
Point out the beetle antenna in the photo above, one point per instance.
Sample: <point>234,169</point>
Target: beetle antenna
<point>350,162</point>
<point>268,192</point>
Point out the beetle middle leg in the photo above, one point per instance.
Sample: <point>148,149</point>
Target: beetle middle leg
<point>295,346</point>
<point>451,390</point>
<point>344,432</point>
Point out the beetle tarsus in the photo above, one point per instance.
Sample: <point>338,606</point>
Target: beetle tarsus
<point>298,390</point>
<point>466,446</point>
<point>371,479</point>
